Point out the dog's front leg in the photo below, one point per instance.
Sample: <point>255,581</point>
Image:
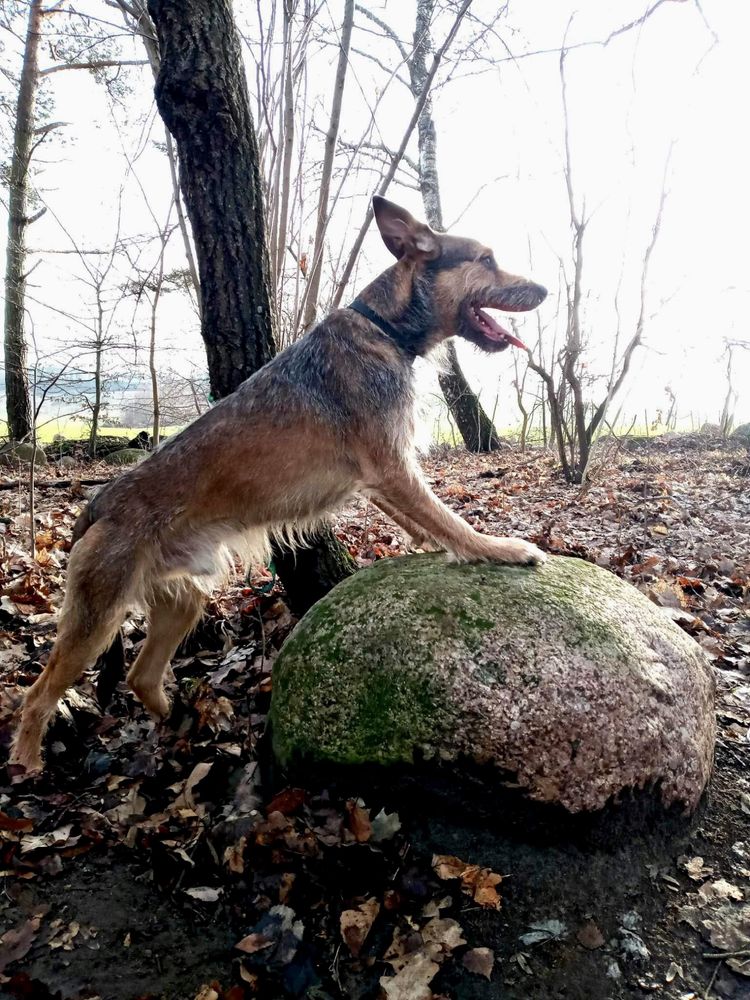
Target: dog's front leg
<point>403,489</point>
<point>418,536</point>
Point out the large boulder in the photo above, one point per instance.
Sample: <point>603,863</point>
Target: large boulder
<point>15,452</point>
<point>565,676</point>
<point>742,433</point>
<point>125,456</point>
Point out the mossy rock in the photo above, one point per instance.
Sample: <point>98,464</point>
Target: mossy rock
<point>14,452</point>
<point>125,456</point>
<point>105,445</point>
<point>564,675</point>
<point>742,433</point>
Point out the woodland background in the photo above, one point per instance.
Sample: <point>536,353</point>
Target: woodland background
<point>596,147</point>
<point>590,146</point>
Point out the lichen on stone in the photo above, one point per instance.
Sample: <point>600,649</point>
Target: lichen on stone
<point>564,675</point>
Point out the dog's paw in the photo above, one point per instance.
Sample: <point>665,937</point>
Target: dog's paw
<point>517,552</point>
<point>25,763</point>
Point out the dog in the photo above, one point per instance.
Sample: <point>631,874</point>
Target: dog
<point>329,416</point>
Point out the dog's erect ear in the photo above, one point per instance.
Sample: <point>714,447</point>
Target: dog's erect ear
<point>402,234</point>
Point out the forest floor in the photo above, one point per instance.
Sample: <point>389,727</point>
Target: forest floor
<point>163,863</point>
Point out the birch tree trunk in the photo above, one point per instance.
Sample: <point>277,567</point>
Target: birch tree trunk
<point>473,424</point>
<point>16,377</point>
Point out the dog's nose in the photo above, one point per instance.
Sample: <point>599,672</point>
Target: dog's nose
<point>540,292</point>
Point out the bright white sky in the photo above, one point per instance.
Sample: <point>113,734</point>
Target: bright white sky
<point>501,131</point>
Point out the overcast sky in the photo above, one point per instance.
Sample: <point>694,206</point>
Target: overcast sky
<point>500,131</point>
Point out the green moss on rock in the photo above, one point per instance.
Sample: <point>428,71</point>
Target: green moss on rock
<point>563,674</point>
<point>125,456</point>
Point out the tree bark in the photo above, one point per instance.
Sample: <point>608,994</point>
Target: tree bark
<point>202,96</point>
<point>474,426</point>
<point>16,376</point>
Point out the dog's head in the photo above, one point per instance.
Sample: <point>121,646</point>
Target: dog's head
<point>446,283</point>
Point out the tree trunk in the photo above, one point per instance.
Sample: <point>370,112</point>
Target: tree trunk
<point>474,426</point>
<point>308,574</point>
<point>16,377</point>
<point>156,418</point>
<point>99,349</point>
<point>202,97</point>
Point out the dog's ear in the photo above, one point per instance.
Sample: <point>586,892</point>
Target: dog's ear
<point>402,234</point>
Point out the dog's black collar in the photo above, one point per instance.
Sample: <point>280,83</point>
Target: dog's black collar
<point>382,324</point>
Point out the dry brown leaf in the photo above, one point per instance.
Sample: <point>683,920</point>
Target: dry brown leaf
<point>288,801</point>
<point>441,936</point>
<point>355,924</point>
<point>185,799</point>
<point>590,936</point>
<point>480,961</point>
<point>16,942</point>
<point>234,856</point>
<point>253,943</point>
<point>477,882</point>
<point>696,868</point>
<point>359,821</point>
<point>412,981</point>
<point>55,838</point>
<point>720,890</point>
<point>14,824</point>
<point>207,992</point>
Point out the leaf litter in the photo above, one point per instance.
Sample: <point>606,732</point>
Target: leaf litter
<point>325,893</point>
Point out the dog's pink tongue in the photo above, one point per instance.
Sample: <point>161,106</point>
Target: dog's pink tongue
<point>516,342</point>
<point>497,332</point>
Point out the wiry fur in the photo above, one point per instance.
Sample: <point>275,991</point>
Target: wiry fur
<point>329,416</point>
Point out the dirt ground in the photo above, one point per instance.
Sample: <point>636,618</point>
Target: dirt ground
<point>175,863</point>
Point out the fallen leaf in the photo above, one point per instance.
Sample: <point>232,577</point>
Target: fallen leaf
<point>204,893</point>
<point>590,936</point>
<point>207,992</point>
<point>729,930</point>
<point>234,856</point>
<point>720,890</point>
<point>412,981</point>
<point>480,961</point>
<point>441,936</point>
<point>479,883</point>
<point>185,799</point>
<point>287,801</point>
<point>254,942</point>
<point>672,972</point>
<point>14,824</point>
<point>355,924</point>
<point>385,826</point>
<point>546,930</point>
<point>359,821</point>
<point>54,838</point>
<point>16,942</point>
<point>696,869</point>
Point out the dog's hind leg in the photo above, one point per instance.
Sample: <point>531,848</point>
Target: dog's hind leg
<point>172,614</point>
<point>101,584</point>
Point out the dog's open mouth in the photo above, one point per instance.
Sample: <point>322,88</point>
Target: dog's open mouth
<point>491,329</point>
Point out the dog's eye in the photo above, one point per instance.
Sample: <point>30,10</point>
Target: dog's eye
<point>487,259</point>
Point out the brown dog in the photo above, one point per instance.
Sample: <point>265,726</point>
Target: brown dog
<point>329,416</point>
